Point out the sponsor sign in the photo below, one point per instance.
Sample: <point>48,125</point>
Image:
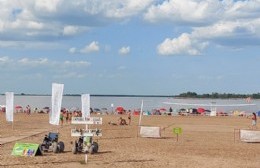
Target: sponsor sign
<point>86,120</point>
<point>26,149</point>
<point>177,130</point>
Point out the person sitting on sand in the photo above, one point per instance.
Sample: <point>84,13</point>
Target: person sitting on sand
<point>122,121</point>
<point>111,123</point>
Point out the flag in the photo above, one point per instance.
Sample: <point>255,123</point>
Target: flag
<point>85,102</point>
<point>9,106</point>
<point>56,99</point>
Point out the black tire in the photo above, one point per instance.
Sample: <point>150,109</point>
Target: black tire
<point>42,148</point>
<point>91,149</point>
<point>55,147</point>
<point>74,148</point>
<point>61,146</point>
<point>95,144</point>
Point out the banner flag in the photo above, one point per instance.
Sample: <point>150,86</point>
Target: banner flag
<point>9,106</point>
<point>56,100</point>
<point>85,102</point>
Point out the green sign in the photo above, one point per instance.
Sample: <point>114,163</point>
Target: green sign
<point>26,149</point>
<point>177,130</point>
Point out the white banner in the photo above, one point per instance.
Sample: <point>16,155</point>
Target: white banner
<point>56,100</point>
<point>150,132</point>
<point>250,135</point>
<point>9,113</point>
<point>85,102</point>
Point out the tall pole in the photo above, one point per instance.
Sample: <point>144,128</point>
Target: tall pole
<point>141,113</point>
<point>140,117</point>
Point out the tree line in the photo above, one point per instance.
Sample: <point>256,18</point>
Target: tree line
<point>215,95</point>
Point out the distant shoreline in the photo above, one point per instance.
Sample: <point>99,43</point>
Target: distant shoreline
<point>97,95</point>
<point>110,95</point>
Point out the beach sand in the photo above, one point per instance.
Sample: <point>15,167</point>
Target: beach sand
<point>206,142</point>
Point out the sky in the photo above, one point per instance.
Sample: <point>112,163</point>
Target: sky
<point>139,47</point>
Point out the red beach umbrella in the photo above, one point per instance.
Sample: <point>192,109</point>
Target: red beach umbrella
<point>18,107</point>
<point>201,110</point>
<point>120,109</point>
<point>163,109</point>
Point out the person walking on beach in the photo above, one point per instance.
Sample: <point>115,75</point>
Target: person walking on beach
<point>28,109</point>
<point>254,121</point>
<point>129,117</point>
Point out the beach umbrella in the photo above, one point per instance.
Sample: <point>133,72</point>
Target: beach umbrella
<point>120,109</point>
<point>200,110</point>
<point>163,109</point>
<point>97,109</point>
<point>46,108</point>
<point>18,107</point>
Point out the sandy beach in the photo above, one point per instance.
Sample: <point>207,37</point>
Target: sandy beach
<point>206,142</point>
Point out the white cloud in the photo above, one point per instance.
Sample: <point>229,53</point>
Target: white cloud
<point>70,30</point>
<point>191,11</point>
<point>42,62</point>
<point>77,63</point>
<point>47,5</point>
<point>126,8</point>
<point>184,44</point>
<point>92,47</point>
<point>121,67</point>
<point>4,60</point>
<point>72,50</point>
<point>69,75</point>
<point>213,22</point>
<point>36,62</point>
<point>33,20</point>
<point>124,50</point>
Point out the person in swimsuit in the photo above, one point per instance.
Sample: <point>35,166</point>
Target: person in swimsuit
<point>61,118</point>
<point>254,121</point>
<point>129,117</point>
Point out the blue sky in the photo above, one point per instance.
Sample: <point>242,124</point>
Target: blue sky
<point>152,47</point>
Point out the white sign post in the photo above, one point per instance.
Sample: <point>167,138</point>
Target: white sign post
<point>86,120</point>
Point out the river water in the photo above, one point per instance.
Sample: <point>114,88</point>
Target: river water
<point>131,103</point>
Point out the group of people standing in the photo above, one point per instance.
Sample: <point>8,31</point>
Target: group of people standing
<point>65,116</point>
